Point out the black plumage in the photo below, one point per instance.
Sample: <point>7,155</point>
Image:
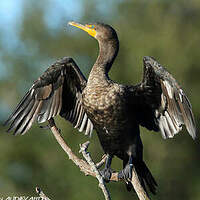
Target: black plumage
<point>115,111</point>
<point>57,91</point>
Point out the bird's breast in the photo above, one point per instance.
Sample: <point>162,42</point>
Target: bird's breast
<point>104,105</point>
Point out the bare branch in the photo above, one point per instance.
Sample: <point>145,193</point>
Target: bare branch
<point>86,155</point>
<point>83,165</point>
<point>88,170</point>
<point>102,161</point>
<point>41,193</point>
<point>138,187</point>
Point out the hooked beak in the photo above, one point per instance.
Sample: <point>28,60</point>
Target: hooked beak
<point>87,28</point>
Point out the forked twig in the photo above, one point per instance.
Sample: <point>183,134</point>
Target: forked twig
<point>86,155</point>
<point>89,167</point>
<point>41,194</point>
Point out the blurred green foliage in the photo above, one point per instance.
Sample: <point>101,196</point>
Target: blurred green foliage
<point>168,30</point>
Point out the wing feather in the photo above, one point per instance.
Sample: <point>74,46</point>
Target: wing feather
<point>21,106</point>
<point>18,117</point>
<point>57,91</point>
<point>83,123</point>
<point>164,101</point>
<point>29,121</point>
<point>80,114</point>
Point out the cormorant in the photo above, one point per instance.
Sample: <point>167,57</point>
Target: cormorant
<point>114,110</point>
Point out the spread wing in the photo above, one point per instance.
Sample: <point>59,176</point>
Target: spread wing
<point>57,91</point>
<point>161,103</point>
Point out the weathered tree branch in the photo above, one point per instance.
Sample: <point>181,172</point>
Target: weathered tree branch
<point>86,155</point>
<point>102,161</point>
<point>142,195</point>
<point>89,168</point>
<point>41,193</point>
<point>82,164</point>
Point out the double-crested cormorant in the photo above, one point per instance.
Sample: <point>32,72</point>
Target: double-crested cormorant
<point>115,111</point>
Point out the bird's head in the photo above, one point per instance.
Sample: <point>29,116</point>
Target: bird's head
<point>100,31</point>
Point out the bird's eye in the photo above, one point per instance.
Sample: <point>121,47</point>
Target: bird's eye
<point>91,26</point>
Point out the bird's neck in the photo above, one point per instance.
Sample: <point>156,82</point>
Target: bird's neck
<point>107,54</point>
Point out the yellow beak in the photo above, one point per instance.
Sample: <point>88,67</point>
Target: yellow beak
<point>87,28</point>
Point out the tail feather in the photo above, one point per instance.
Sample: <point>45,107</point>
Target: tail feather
<point>145,177</point>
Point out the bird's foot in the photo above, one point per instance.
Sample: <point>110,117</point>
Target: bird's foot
<point>126,173</point>
<point>106,174</point>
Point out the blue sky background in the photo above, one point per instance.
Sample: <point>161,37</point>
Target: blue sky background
<point>56,12</point>
<point>56,15</point>
<point>11,15</point>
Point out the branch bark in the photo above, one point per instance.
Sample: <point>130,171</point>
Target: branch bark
<point>86,155</point>
<point>142,195</point>
<point>89,167</point>
<point>41,193</point>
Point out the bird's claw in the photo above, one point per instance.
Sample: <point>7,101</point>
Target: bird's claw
<point>106,174</point>
<point>126,173</point>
